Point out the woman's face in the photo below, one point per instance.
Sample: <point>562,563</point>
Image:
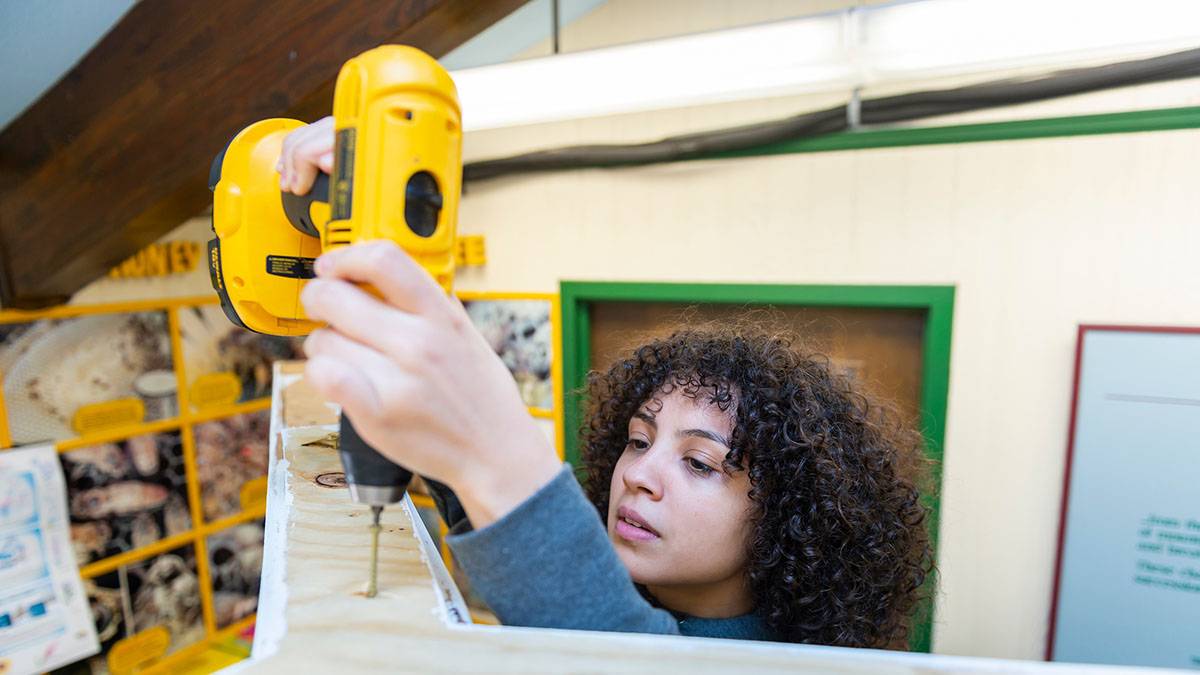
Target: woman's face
<point>678,521</point>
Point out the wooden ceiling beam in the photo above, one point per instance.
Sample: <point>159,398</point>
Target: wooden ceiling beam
<point>117,153</point>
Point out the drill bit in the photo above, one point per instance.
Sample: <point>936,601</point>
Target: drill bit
<point>376,511</point>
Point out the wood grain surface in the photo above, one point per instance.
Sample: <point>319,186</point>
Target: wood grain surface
<point>326,624</point>
<point>303,407</point>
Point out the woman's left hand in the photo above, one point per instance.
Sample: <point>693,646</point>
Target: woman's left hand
<point>419,382</point>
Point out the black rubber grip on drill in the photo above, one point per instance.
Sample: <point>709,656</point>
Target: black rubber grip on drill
<point>364,465</point>
<point>297,208</point>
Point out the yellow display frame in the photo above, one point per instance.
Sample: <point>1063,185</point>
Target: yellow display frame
<point>556,365</point>
<point>198,534</point>
<point>184,421</point>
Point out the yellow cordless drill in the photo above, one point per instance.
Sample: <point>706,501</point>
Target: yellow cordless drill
<point>397,174</point>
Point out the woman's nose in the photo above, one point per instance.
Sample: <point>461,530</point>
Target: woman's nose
<point>644,473</point>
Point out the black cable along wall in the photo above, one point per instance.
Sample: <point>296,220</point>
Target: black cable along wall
<point>889,109</point>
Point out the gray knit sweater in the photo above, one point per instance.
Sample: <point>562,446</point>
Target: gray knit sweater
<point>549,564</point>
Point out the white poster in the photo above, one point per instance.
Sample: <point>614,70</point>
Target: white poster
<point>1129,584</point>
<point>45,619</point>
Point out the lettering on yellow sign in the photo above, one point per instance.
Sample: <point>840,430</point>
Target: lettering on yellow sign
<point>159,260</point>
<point>471,251</point>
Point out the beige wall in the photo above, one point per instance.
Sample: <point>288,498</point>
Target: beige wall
<point>1037,236</point>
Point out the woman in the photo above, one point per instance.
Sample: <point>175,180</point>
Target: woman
<point>788,461</point>
<point>736,487</point>
<point>743,490</point>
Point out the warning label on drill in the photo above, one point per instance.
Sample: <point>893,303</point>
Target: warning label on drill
<point>342,192</point>
<point>290,266</point>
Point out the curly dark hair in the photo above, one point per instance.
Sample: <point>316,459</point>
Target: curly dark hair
<point>839,551</point>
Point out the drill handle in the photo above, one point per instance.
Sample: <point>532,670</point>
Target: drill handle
<point>374,479</point>
<point>298,208</point>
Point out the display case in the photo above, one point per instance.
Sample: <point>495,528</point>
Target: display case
<point>159,412</point>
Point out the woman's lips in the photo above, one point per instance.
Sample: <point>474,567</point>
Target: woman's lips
<point>630,525</point>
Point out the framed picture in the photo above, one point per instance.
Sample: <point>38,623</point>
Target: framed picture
<point>160,593</point>
<point>521,331</point>
<point>125,494</point>
<point>117,366</point>
<point>165,591</point>
<point>234,564</point>
<point>230,453</point>
<point>1127,584</point>
<point>226,364</point>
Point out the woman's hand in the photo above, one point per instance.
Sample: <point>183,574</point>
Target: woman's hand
<point>305,151</point>
<point>419,382</point>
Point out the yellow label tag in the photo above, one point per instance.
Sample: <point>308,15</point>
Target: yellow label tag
<point>134,651</point>
<point>253,493</point>
<point>471,251</point>
<point>108,415</point>
<point>215,389</point>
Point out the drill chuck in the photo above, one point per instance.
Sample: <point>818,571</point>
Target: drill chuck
<point>373,479</point>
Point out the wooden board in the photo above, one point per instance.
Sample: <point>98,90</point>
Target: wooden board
<point>313,616</point>
<point>304,408</point>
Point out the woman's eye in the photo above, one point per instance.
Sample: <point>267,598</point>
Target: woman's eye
<point>637,444</point>
<point>699,467</point>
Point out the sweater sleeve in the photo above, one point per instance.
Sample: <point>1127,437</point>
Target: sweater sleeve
<point>549,563</point>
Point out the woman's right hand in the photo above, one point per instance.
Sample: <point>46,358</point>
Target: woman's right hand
<point>421,384</point>
<point>305,151</point>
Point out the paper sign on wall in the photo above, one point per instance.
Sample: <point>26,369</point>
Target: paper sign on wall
<point>45,619</point>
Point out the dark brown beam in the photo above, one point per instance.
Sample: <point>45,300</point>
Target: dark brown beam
<point>117,153</point>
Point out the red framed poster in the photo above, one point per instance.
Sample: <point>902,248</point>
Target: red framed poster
<point>1127,577</point>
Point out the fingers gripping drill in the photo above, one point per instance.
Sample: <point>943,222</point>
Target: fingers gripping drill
<point>397,175</point>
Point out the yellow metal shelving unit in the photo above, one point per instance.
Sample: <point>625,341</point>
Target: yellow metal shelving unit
<point>184,422</point>
<point>192,657</point>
